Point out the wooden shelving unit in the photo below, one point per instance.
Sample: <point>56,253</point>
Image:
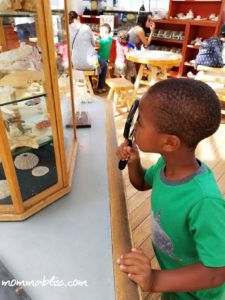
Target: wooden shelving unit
<point>167,40</point>
<point>92,21</point>
<point>191,28</point>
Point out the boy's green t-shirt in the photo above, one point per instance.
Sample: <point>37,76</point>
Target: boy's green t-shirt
<point>188,224</point>
<point>104,47</point>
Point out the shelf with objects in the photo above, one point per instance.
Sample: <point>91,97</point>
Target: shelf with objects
<point>96,21</point>
<point>122,19</point>
<point>38,148</point>
<point>188,23</point>
<point>92,21</point>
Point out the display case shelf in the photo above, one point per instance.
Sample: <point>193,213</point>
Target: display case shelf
<point>17,14</point>
<point>38,95</point>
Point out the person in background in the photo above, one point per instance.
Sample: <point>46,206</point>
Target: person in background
<point>188,209</point>
<point>26,29</point>
<point>122,67</point>
<point>222,34</point>
<point>138,33</point>
<point>84,56</point>
<point>104,42</point>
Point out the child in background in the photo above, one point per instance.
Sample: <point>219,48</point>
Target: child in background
<point>105,42</point>
<point>123,67</point>
<point>188,209</point>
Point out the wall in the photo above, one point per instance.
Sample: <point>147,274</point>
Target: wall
<point>79,5</point>
<point>149,4</point>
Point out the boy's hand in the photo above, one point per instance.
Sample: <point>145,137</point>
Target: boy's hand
<point>125,152</point>
<point>138,267</point>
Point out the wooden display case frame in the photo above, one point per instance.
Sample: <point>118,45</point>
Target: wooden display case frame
<point>65,163</point>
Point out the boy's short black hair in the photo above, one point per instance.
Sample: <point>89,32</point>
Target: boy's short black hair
<point>123,36</point>
<point>107,26</point>
<point>187,108</point>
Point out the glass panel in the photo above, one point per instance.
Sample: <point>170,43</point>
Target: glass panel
<point>5,197</point>
<point>62,61</point>
<point>24,104</point>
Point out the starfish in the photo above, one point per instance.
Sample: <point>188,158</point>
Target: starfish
<point>26,140</point>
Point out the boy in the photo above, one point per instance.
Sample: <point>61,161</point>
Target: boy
<point>105,42</point>
<point>188,210</point>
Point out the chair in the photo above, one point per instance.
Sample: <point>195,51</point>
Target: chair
<point>122,89</point>
<point>87,74</point>
<point>111,60</point>
<point>80,89</point>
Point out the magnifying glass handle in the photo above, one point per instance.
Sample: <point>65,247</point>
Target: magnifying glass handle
<point>123,163</point>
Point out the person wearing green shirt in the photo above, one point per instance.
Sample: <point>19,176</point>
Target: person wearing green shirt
<point>188,209</point>
<point>105,42</point>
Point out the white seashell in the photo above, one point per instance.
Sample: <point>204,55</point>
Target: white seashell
<point>4,189</point>
<point>26,161</point>
<point>40,171</point>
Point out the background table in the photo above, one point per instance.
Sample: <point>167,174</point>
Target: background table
<point>156,60</point>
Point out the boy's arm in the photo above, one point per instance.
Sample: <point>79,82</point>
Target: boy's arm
<point>190,278</point>
<point>136,171</point>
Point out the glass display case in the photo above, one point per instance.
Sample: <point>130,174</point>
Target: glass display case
<point>37,114</point>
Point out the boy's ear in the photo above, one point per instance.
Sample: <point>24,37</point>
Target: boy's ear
<point>171,143</point>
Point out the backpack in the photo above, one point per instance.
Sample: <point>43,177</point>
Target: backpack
<point>210,53</point>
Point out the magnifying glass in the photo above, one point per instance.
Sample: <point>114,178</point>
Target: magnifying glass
<point>128,132</point>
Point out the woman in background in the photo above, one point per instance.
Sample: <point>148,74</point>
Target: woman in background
<point>84,56</point>
<point>138,33</point>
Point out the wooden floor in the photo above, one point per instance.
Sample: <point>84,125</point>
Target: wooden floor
<point>211,151</point>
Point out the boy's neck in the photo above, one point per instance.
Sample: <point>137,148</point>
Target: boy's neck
<point>180,164</point>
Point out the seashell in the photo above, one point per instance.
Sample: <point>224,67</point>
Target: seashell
<point>43,124</point>
<point>33,102</point>
<point>40,171</point>
<point>4,189</point>
<point>26,161</point>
